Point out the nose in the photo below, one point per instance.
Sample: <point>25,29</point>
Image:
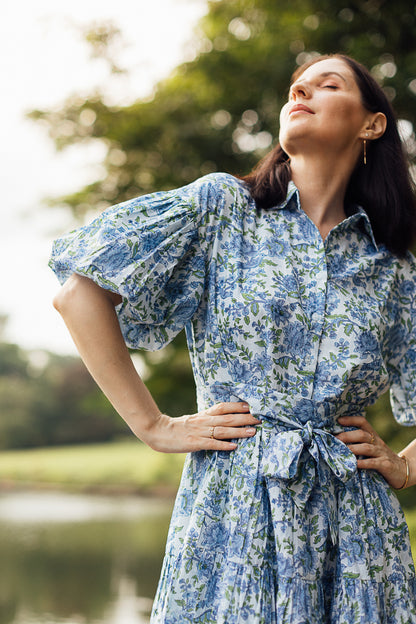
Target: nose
<point>299,89</point>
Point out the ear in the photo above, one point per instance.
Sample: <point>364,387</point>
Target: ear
<point>374,127</point>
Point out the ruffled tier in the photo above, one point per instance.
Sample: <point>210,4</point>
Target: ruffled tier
<point>261,596</point>
<point>241,551</point>
<point>200,595</point>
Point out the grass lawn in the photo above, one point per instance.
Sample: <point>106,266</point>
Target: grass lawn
<point>126,466</point>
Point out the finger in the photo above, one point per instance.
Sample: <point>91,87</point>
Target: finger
<point>370,463</point>
<point>387,467</point>
<point>369,450</point>
<point>355,421</point>
<point>233,420</point>
<point>227,408</point>
<point>227,433</point>
<point>218,445</point>
<point>356,436</point>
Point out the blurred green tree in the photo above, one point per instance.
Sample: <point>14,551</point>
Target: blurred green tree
<point>58,403</point>
<point>219,110</point>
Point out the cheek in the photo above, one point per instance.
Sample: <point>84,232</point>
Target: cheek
<point>283,115</point>
<point>344,114</point>
<point>283,120</point>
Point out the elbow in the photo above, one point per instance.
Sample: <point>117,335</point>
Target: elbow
<point>62,299</point>
<point>81,292</point>
<point>68,296</point>
<point>57,301</point>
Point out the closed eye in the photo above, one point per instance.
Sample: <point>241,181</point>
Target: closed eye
<point>331,87</point>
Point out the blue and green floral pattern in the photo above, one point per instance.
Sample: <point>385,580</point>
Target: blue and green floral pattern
<point>285,529</point>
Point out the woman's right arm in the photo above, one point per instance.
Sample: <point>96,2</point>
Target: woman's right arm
<point>88,311</point>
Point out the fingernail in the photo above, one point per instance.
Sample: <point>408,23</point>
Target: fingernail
<point>250,430</point>
<point>245,405</point>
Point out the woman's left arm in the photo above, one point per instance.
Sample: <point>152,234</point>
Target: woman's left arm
<point>378,456</point>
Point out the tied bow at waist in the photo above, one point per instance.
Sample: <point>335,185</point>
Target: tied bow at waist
<point>296,445</point>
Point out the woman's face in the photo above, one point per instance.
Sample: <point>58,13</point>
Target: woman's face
<point>324,111</point>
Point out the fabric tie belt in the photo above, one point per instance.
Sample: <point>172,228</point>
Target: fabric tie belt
<point>297,446</point>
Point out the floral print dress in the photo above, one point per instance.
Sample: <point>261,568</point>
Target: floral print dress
<point>285,529</point>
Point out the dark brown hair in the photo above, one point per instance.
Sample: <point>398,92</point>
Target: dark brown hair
<point>383,187</point>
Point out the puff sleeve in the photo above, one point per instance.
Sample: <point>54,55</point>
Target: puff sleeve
<point>151,250</point>
<point>401,344</point>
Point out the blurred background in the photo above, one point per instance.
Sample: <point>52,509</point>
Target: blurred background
<point>102,102</point>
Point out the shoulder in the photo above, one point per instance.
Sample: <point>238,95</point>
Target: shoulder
<point>408,263</point>
<point>213,198</point>
<point>218,196</point>
<point>404,268</point>
<point>406,278</point>
<point>222,185</point>
<point>196,197</point>
<point>392,267</point>
<point>222,180</point>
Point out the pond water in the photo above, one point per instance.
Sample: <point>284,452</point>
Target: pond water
<point>79,559</point>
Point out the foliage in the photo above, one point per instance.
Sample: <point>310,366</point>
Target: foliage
<point>57,404</point>
<point>219,111</point>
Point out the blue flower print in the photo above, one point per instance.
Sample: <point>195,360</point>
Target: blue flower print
<point>298,337</point>
<point>115,258</point>
<point>149,242</point>
<point>407,288</point>
<point>281,312</point>
<point>367,344</point>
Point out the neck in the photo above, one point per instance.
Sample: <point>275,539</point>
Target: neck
<point>322,186</point>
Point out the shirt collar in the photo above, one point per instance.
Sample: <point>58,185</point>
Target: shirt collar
<point>292,196</point>
<point>357,215</point>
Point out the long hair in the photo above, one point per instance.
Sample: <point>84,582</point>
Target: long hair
<point>383,187</point>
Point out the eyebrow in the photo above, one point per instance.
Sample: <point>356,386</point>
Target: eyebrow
<point>330,73</point>
<point>324,75</point>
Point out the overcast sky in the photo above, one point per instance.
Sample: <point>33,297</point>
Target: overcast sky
<point>43,59</point>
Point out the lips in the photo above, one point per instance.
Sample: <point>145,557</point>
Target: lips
<point>300,108</point>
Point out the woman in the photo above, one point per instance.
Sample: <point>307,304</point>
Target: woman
<point>299,307</point>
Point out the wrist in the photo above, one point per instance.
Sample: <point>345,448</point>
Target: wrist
<point>148,429</point>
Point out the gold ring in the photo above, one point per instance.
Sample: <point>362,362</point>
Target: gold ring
<point>212,433</point>
<point>373,437</point>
